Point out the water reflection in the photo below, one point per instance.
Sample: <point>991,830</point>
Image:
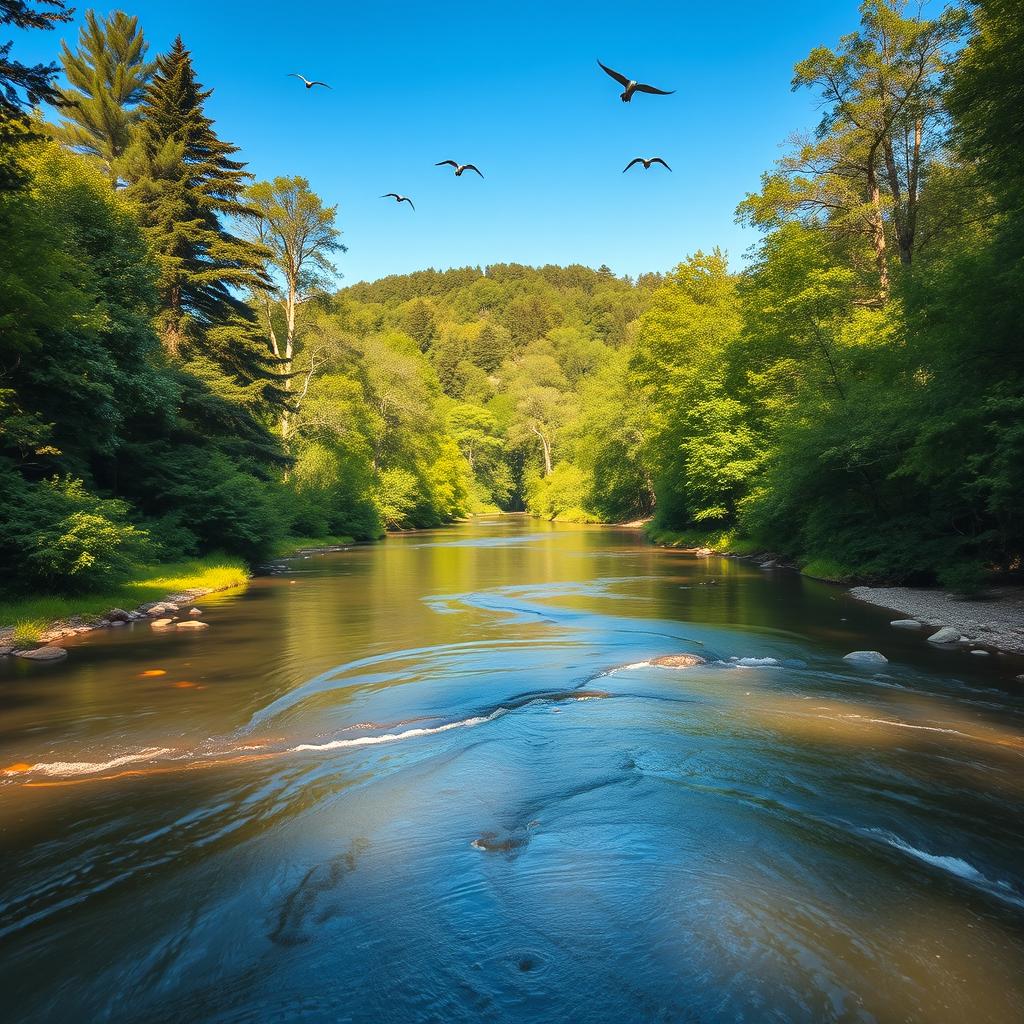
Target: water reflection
<point>440,779</point>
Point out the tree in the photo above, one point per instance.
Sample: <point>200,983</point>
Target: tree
<point>290,221</point>
<point>35,81</point>
<point>188,188</point>
<point>418,323</point>
<point>108,74</point>
<point>881,129</point>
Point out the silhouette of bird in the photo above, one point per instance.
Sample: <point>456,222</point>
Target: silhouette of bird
<point>398,199</point>
<point>309,84</point>
<point>632,86</point>
<point>646,161</point>
<point>459,168</point>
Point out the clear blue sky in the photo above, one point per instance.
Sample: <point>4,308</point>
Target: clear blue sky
<point>514,88</point>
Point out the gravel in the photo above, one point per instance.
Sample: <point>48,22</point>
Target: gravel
<point>995,620</point>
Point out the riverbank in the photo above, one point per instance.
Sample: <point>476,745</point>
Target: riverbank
<point>994,620</point>
<point>44,618</point>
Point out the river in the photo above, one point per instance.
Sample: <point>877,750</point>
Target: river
<point>437,779</point>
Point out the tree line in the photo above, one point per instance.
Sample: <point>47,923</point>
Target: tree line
<point>179,372</point>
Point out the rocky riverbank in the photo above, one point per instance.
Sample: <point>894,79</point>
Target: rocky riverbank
<point>992,620</point>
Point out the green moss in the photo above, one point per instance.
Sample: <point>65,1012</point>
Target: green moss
<point>828,569</point>
<point>722,541</point>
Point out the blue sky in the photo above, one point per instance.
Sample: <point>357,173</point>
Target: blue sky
<point>515,89</point>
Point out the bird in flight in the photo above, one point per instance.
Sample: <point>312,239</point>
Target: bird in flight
<point>459,168</point>
<point>646,161</point>
<point>309,84</point>
<point>397,198</point>
<point>631,86</point>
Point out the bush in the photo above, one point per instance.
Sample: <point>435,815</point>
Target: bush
<point>56,535</point>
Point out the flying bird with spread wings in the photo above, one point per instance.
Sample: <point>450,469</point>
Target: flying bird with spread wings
<point>459,168</point>
<point>398,199</point>
<point>631,85</point>
<point>309,84</point>
<point>646,161</point>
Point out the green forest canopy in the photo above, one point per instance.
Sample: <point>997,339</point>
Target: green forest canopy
<point>180,375</point>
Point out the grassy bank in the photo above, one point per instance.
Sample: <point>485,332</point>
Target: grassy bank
<point>32,615</point>
<point>289,545</point>
<point>725,542</point>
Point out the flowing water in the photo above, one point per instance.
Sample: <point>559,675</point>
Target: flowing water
<point>438,779</point>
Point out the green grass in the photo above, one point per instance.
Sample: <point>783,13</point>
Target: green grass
<point>290,545</point>
<point>28,632</point>
<point>828,569</point>
<point>148,583</point>
<point>722,541</point>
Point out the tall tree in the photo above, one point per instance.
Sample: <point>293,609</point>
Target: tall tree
<point>23,85</point>
<point>188,189</point>
<point>108,74</point>
<point>882,126</point>
<point>289,220</point>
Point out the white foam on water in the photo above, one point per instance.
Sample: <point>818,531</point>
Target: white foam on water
<point>395,737</point>
<point>66,769</point>
<point>952,865</point>
<point>755,662</point>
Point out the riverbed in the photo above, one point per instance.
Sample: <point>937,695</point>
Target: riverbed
<point>438,779</point>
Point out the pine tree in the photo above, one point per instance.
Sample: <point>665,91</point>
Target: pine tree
<point>187,186</point>
<point>34,80</point>
<point>108,75</point>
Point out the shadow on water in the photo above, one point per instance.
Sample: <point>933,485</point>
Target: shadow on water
<point>441,779</point>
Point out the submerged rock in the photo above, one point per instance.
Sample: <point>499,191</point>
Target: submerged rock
<point>161,623</point>
<point>946,635</point>
<point>679,661</point>
<point>43,654</point>
<point>192,624</point>
<point>905,623</point>
<point>866,657</point>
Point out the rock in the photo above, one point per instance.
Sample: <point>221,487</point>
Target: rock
<point>946,635</point>
<point>43,654</point>
<point>155,609</point>
<point>866,657</point>
<point>4,651</point>
<point>170,606</point>
<point>701,552</point>
<point>905,623</point>
<point>193,624</point>
<point>770,564</point>
<point>118,615</point>
<point>980,654</point>
<point>161,623</point>
<point>118,622</point>
<point>135,616</point>
<point>194,612</point>
<point>678,661</point>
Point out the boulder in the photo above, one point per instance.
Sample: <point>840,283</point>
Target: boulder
<point>192,624</point>
<point>194,612</point>
<point>156,610</point>
<point>4,651</point>
<point>866,657</point>
<point>905,623</point>
<point>161,623</point>
<point>43,654</point>
<point>946,635</point>
<point>118,615</point>
<point>678,661</point>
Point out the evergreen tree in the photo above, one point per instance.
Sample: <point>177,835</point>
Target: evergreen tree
<point>108,75</point>
<point>187,186</point>
<point>35,81</point>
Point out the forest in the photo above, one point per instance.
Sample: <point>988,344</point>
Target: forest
<point>181,372</point>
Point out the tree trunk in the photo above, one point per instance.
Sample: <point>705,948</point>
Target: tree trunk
<point>878,232</point>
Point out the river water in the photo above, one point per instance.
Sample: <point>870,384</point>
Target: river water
<point>436,779</point>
